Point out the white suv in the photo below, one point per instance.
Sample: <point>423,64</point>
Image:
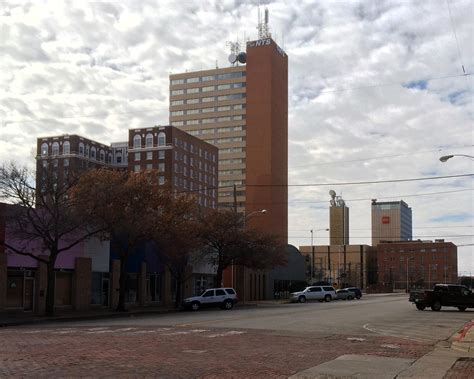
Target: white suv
<point>212,297</point>
<point>326,293</point>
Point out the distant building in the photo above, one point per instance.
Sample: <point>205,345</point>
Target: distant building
<point>183,161</point>
<point>342,265</point>
<point>407,264</point>
<point>391,221</point>
<point>338,221</point>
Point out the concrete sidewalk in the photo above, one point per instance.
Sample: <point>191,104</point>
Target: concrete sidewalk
<point>449,359</point>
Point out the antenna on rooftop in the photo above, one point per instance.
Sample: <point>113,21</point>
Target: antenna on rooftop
<point>263,28</point>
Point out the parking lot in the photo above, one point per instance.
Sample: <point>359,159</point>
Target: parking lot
<point>265,341</point>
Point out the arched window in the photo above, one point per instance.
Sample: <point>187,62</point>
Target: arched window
<point>44,149</point>
<point>149,140</point>
<point>93,150</point>
<point>87,151</point>
<point>118,158</point>
<point>81,149</point>
<point>161,139</point>
<point>55,149</point>
<point>66,147</point>
<point>102,155</point>
<point>110,157</point>
<point>137,141</point>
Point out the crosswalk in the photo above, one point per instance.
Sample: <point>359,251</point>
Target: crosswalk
<point>126,331</point>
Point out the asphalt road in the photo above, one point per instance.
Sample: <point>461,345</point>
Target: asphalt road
<point>390,315</point>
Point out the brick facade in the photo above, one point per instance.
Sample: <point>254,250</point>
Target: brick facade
<point>416,263</point>
<point>82,282</point>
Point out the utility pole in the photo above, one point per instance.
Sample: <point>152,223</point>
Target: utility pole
<point>312,257</point>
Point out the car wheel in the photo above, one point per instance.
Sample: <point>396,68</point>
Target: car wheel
<point>436,306</point>
<point>301,299</point>
<point>420,307</point>
<point>462,309</point>
<point>350,298</point>
<point>195,306</point>
<point>228,305</point>
<point>327,298</point>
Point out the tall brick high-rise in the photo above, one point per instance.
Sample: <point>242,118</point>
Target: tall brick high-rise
<point>243,110</point>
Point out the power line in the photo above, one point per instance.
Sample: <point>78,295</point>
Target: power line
<point>418,227</point>
<point>329,184</point>
<point>360,183</point>
<point>455,36</point>
<point>415,237</point>
<point>380,157</point>
<point>388,197</point>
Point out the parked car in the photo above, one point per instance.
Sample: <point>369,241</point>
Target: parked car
<point>345,295</point>
<point>443,295</point>
<point>357,291</point>
<point>321,293</point>
<point>225,298</point>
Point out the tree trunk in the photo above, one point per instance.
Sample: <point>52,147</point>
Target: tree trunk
<point>219,272</point>
<point>122,283</point>
<point>50,287</point>
<point>179,286</point>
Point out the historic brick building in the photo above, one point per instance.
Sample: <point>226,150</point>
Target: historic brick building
<point>407,264</point>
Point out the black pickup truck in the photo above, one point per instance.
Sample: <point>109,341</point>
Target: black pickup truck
<point>443,295</point>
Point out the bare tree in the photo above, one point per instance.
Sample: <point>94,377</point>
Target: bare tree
<point>129,206</point>
<point>47,214</point>
<point>227,243</point>
<point>177,237</point>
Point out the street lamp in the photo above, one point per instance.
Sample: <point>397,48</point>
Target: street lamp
<point>445,158</point>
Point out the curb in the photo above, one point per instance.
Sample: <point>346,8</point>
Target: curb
<point>112,315</point>
<point>459,342</point>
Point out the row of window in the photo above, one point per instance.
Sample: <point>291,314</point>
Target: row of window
<point>231,161</point>
<point>179,169</point>
<point>202,165</point>
<point>224,108</point>
<point>433,250</point>
<point>137,140</point>
<point>220,87</point>
<point>207,78</point>
<point>55,148</point>
<point>218,141</point>
<point>150,155</point>
<point>201,152</point>
<point>229,183</point>
<point>216,130</point>
<point>210,99</point>
<point>232,150</point>
<point>421,258</point>
<point>232,172</point>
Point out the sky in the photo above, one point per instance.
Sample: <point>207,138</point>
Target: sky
<point>378,90</point>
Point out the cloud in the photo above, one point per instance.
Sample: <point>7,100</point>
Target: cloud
<point>375,92</point>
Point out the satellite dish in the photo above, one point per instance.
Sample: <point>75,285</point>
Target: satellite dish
<point>232,58</point>
<point>242,57</point>
<point>332,193</point>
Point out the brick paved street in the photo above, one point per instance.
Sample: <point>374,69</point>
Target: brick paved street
<point>179,352</point>
<point>249,342</point>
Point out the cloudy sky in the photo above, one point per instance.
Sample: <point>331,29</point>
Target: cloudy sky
<point>376,92</point>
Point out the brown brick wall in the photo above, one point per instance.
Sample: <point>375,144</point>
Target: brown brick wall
<point>267,139</point>
<point>82,282</point>
<point>114,283</point>
<point>427,263</point>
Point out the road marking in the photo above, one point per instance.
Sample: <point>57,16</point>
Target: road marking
<point>384,333</point>
<point>195,351</point>
<point>390,346</point>
<point>355,339</point>
<point>231,333</point>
